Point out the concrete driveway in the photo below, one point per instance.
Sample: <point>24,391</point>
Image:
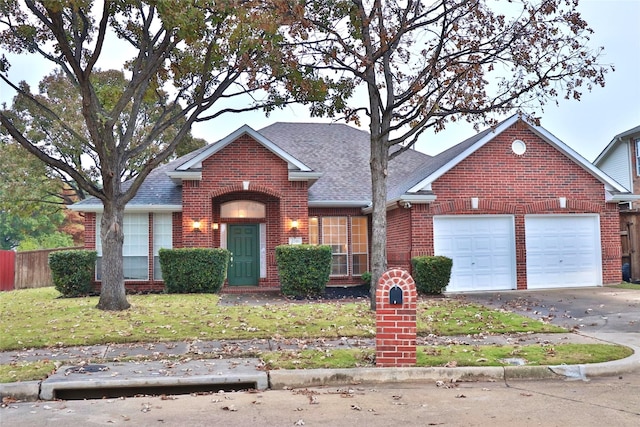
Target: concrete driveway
<point>607,313</point>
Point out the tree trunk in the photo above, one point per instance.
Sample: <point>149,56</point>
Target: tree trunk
<point>379,164</point>
<point>112,294</point>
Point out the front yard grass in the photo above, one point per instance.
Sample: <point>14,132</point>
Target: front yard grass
<point>452,356</point>
<point>38,318</point>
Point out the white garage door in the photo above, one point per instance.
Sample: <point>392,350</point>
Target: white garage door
<point>482,248</point>
<point>563,251</point>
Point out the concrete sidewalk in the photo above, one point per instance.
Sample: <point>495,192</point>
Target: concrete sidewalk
<point>172,367</point>
<point>200,365</point>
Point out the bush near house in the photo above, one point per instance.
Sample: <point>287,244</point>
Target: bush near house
<point>304,269</point>
<point>431,273</point>
<point>73,271</point>
<point>194,270</point>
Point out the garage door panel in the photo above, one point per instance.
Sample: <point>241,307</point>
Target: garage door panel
<point>563,251</point>
<point>482,249</point>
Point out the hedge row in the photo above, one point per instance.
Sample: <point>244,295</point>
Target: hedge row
<point>72,271</point>
<point>194,270</point>
<point>304,269</point>
<point>431,273</point>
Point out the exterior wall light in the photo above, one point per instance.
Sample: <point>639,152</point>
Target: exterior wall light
<point>196,225</point>
<point>294,224</point>
<point>215,225</point>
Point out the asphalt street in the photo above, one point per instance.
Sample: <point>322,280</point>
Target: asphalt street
<point>600,401</point>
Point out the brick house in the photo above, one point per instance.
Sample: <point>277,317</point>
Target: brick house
<point>620,159</point>
<point>513,206</point>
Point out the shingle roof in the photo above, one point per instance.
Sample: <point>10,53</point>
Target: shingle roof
<point>341,153</point>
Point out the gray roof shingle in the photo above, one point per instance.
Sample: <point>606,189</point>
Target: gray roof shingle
<point>339,151</point>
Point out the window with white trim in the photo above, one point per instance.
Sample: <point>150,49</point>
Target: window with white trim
<point>162,238</point>
<point>313,230</point>
<point>334,234</point>
<point>359,245</point>
<point>333,231</point>
<point>637,156</point>
<point>135,250</point>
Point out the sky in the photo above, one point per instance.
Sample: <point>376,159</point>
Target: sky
<point>587,125</point>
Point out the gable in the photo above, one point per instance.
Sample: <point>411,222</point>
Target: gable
<point>618,164</point>
<point>496,171</point>
<point>191,169</point>
<point>447,160</point>
<point>245,160</point>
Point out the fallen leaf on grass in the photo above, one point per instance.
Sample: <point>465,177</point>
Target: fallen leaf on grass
<point>230,408</point>
<point>356,408</point>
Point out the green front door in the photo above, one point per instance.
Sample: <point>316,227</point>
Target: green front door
<point>244,266</point>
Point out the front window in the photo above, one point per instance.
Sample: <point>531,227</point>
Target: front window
<point>135,250</point>
<point>162,238</point>
<point>334,234</point>
<point>243,209</point>
<point>638,156</point>
<point>333,231</point>
<point>359,245</point>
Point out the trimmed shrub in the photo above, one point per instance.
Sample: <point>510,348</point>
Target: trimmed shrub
<point>73,271</point>
<point>366,278</point>
<point>194,270</point>
<point>431,273</point>
<point>304,269</point>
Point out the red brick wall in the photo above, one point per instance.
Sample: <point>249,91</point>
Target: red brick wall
<point>506,183</point>
<point>90,230</point>
<point>399,238</point>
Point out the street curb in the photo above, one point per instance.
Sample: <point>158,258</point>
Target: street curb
<point>292,378</point>
<point>281,379</point>
<point>26,390</point>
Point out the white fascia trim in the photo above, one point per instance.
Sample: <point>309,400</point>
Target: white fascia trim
<point>426,182</point>
<point>627,197</point>
<point>338,203</point>
<point>573,155</point>
<point>304,176</point>
<point>178,177</point>
<point>130,208</point>
<point>196,162</point>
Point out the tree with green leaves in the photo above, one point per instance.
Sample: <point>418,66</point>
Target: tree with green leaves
<point>189,59</point>
<point>425,64</point>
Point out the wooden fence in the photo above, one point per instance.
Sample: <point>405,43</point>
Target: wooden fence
<point>32,268</point>
<point>630,241</point>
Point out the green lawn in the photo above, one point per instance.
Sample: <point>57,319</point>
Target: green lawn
<point>38,318</point>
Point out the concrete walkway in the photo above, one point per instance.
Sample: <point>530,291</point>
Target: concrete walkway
<point>235,364</point>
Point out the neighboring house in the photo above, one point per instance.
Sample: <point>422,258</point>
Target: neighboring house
<point>620,159</point>
<point>513,206</point>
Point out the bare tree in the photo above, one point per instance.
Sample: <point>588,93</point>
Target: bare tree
<point>428,63</point>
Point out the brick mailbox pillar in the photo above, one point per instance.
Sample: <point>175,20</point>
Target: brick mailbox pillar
<point>396,319</point>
